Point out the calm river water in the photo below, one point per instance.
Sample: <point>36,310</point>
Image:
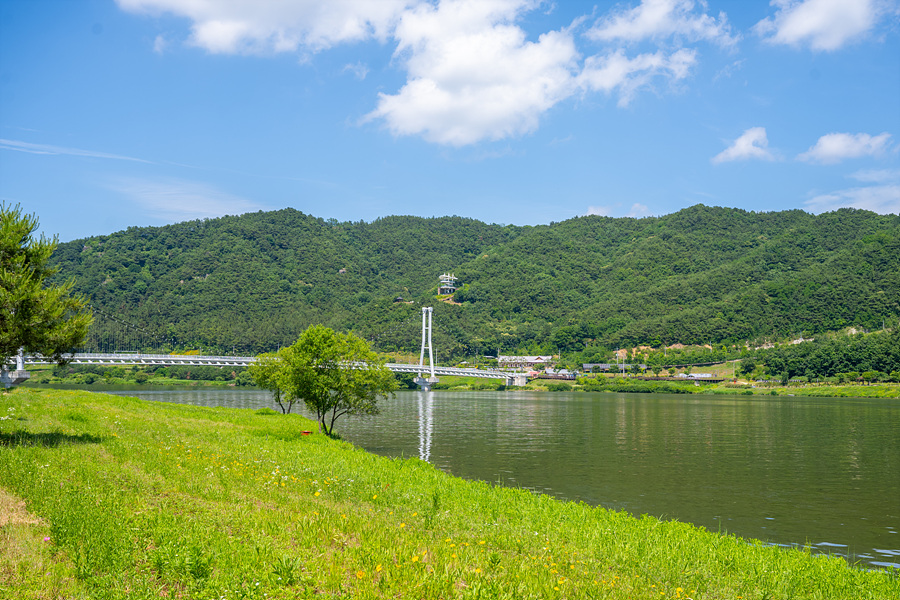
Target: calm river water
<point>823,472</point>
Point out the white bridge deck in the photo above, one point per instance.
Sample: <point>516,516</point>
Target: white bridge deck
<point>243,361</point>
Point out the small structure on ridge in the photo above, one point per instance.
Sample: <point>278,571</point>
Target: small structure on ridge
<point>448,284</point>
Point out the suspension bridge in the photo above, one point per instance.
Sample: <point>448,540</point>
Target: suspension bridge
<point>427,374</point>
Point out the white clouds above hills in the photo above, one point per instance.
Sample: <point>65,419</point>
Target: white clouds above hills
<point>835,147</point>
<point>822,24</point>
<point>752,144</point>
<point>172,199</point>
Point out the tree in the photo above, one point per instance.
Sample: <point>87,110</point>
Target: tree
<point>334,374</point>
<point>40,318</point>
<point>265,372</point>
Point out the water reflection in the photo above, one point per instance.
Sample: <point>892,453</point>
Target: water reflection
<point>426,423</point>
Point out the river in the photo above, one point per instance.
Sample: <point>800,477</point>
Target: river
<point>823,472</point>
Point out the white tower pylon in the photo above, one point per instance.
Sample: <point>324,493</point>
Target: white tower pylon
<point>426,341</point>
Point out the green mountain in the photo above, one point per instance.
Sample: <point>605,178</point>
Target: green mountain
<point>700,275</point>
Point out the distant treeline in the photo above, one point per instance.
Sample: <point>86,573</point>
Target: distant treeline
<point>703,275</point>
<point>874,357</point>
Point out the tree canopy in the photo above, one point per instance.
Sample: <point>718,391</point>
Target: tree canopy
<point>334,374</point>
<point>35,315</point>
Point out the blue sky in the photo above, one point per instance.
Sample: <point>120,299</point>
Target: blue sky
<point>116,113</point>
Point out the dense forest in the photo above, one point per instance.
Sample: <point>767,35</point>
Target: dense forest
<point>702,275</point>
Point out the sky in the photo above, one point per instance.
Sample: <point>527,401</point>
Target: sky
<point>119,113</point>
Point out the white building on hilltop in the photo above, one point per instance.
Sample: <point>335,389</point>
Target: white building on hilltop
<point>448,284</point>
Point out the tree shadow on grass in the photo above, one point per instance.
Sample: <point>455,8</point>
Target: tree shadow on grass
<point>47,440</point>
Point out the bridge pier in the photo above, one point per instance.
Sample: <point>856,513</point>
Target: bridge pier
<point>425,384</point>
<point>517,379</point>
<point>19,375</point>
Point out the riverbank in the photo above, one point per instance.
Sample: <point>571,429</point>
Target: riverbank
<point>634,385</point>
<point>127,498</point>
<point>224,377</point>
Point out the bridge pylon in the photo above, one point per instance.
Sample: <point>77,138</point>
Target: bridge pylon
<point>421,381</point>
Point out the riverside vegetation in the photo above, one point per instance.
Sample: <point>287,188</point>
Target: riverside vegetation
<point>135,499</point>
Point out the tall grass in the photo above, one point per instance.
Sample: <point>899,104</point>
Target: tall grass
<point>154,500</point>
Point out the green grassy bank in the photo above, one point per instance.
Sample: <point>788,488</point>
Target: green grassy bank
<point>132,499</point>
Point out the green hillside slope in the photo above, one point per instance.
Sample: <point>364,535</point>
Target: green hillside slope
<point>253,282</point>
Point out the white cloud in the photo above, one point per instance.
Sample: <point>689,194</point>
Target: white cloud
<point>627,75</point>
<point>877,175</point>
<point>835,147</point>
<point>753,143</point>
<point>180,200</point>
<point>20,146</point>
<point>636,211</point>
<point>601,211</point>
<point>820,24</point>
<point>655,19</point>
<point>882,199</point>
<point>254,26</point>
<point>473,75</point>
<point>159,44</point>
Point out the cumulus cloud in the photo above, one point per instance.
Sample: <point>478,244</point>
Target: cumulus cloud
<point>251,26</point>
<point>473,75</point>
<point>180,200</point>
<point>819,24</point>
<point>753,143</point>
<point>655,19</point>
<point>835,147</point>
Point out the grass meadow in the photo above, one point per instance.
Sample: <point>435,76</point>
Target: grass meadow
<point>111,497</point>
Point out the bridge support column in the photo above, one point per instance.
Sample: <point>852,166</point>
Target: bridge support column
<point>20,375</point>
<point>424,383</point>
<point>519,380</point>
<point>421,381</point>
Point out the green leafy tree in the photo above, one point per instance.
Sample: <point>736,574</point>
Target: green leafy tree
<point>334,374</point>
<point>41,318</point>
<point>265,372</point>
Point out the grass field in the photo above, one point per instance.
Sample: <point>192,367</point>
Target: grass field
<point>112,497</point>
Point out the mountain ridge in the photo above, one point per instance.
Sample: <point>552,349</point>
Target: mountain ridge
<point>699,275</point>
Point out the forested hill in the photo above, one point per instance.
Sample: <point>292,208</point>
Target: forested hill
<point>696,276</point>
